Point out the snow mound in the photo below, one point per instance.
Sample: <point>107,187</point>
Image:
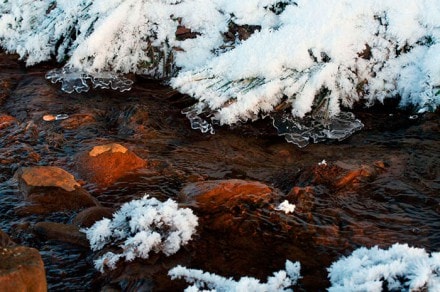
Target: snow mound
<point>399,268</point>
<point>280,281</point>
<point>140,227</point>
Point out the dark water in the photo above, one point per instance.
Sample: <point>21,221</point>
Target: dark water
<point>396,200</point>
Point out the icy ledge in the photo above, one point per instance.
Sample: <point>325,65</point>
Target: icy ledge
<point>72,79</point>
<point>303,131</point>
<point>299,131</point>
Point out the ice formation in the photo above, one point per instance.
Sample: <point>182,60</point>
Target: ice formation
<point>399,268</point>
<point>140,227</point>
<point>74,80</point>
<point>280,281</point>
<point>300,62</point>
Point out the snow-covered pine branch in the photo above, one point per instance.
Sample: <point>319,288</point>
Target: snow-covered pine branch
<point>302,60</point>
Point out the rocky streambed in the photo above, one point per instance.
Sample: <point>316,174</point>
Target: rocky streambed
<point>378,187</point>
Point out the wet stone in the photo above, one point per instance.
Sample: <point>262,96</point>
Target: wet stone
<point>5,240</point>
<point>21,269</point>
<point>49,189</point>
<point>6,121</point>
<point>89,216</point>
<point>341,174</point>
<point>211,195</point>
<point>232,204</point>
<point>105,164</point>
<point>61,232</point>
<point>77,120</point>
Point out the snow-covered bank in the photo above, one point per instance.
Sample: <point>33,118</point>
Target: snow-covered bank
<point>303,58</point>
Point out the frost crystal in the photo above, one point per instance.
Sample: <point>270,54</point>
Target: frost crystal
<point>280,281</point>
<point>398,268</point>
<point>141,227</point>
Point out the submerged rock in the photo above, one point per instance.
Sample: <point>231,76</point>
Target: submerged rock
<point>51,189</point>
<point>89,216</point>
<point>5,240</point>
<point>6,121</point>
<point>77,120</point>
<point>232,204</point>
<point>105,164</point>
<point>21,269</point>
<point>341,174</point>
<point>62,232</point>
<point>211,195</point>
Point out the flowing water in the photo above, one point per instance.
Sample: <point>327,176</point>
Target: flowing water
<point>396,200</point>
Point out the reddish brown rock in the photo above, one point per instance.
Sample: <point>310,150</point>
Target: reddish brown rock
<point>231,205</point>
<point>77,120</point>
<point>5,240</point>
<point>211,195</point>
<point>89,216</point>
<point>6,121</point>
<point>62,232</point>
<point>50,189</point>
<point>341,174</point>
<point>21,269</point>
<point>105,164</point>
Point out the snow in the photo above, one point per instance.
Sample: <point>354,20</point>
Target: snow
<point>280,281</point>
<point>140,227</point>
<point>322,163</point>
<point>286,207</point>
<point>310,56</point>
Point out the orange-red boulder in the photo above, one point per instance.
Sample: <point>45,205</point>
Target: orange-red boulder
<point>50,189</point>
<point>105,164</point>
<point>21,269</point>
<point>231,205</point>
<point>211,195</point>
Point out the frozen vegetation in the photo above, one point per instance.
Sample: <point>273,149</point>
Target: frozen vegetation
<point>299,62</point>
<point>280,281</point>
<point>139,228</point>
<point>399,268</point>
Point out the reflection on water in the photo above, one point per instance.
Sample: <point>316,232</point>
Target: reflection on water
<point>335,212</point>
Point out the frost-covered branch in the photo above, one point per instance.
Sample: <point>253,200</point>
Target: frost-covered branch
<point>399,268</point>
<point>141,227</point>
<point>280,281</point>
<point>243,60</point>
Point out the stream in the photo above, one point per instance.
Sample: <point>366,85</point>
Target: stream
<point>395,198</point>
